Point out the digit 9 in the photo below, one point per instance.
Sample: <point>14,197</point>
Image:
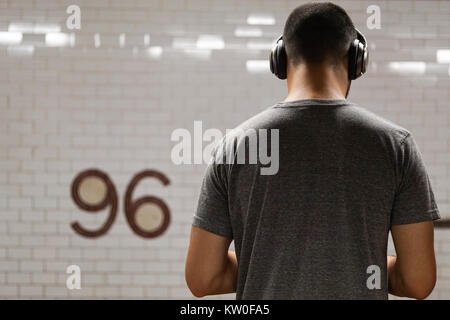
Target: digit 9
<point>92,191</point>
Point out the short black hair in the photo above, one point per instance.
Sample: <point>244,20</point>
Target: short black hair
<point>318,32</point>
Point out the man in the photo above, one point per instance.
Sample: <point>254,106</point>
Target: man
<point>318,229</point>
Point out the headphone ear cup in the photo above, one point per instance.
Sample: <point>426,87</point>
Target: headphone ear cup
<point>359,60</point>
<point>278,59</point>
<point>365,60</point>
<point>352,59</point>
<point>273,60</point>
<point>282,60</point>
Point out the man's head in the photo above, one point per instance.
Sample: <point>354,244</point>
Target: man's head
<point>318,33</point>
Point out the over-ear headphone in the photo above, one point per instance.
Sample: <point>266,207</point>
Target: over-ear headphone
<point>358,58</point>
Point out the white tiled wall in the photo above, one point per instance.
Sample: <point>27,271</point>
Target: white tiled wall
<point>66,109</point>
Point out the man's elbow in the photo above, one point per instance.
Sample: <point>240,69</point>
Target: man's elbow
<point>420,287</point>
<point>197,284</point>
<point>196,289</point>
<point>421,293</point>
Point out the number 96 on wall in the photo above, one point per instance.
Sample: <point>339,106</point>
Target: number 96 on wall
<point>92,191</point>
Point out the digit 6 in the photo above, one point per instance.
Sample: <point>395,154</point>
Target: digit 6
<point>92,188</point>
<point>131,208</point>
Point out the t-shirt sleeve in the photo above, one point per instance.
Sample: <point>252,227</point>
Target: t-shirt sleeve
<point>414,200</point>
<point>212,210</point>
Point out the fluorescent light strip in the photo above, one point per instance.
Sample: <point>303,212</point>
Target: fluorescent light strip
<point>203,54</point>
<point>122,40</point>
<point>46,28</point>
<point>22,50</point>
<point>146,40</point>
<point>10,37</point>
<point>24,27</point>
<point>443,56</point>
<point>253,45</point>
<point>57,39</point>
<point>210,42</point>
<point>97,41</point>
<point>155,52</point>
<point>183,43</point>
<point>260,19</point>
<point>249,32</point>
<point>408,67</point>
<point>257,66</point>
<point>27,27</point>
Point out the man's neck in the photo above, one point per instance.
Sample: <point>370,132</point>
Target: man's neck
<point>318,82</point>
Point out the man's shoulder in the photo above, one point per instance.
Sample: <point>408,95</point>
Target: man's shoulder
<point>265,119</point>
<point>367,120</point>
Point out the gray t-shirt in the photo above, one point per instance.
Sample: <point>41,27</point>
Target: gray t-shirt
<point>312,230</point>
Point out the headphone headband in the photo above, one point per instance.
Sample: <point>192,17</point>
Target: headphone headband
<point>361,37</point>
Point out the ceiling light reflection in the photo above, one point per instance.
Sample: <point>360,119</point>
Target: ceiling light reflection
<point>22,50</point>
<point>146,40</point>
<point>202,54</point>
<point>408,67</point>
<point>183,43</point>
<point>155,52</point>
<point>28,27</point>
<point>24,27</point>
<point>260,19</point>
<point>122,39</point>
<point>253,45</point>
<point>257,66</point>
<point>211,42</point>
<point>248,32</point>
<point>10,37</point>
<point>97,41</point>
<point>443,56</point>
<point>46,28</point>
<point>57,39</point>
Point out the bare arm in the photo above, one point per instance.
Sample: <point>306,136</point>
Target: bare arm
<point>413,272</point>
<point>210,267</point>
